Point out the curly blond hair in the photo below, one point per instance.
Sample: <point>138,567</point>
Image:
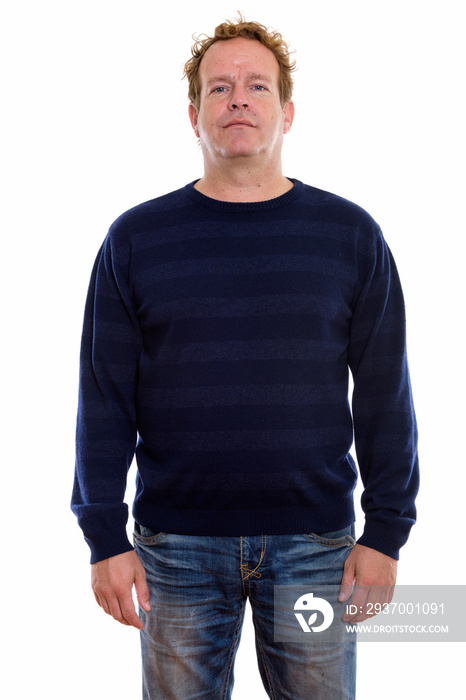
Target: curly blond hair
<point>232,29</point>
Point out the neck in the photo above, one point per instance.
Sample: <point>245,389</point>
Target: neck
<point>242,184</point>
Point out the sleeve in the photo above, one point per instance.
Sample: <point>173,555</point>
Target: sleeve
<point>106,432</point>
<point>385,428</point>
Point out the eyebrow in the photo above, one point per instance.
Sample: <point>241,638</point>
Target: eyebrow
<point>230,78</point>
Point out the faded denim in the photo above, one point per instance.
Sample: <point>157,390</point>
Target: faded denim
<point>199,587</point>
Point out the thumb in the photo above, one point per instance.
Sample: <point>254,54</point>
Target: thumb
<point>347,581</point>
<point>142,591</point>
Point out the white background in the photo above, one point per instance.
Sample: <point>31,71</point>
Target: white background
<point>95,121</point>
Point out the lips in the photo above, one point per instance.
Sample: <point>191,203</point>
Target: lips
<point>238,122</point>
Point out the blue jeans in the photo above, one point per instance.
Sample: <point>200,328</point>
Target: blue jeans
<point>198,590</point>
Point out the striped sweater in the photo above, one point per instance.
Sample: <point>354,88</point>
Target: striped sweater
<point>217,343</point>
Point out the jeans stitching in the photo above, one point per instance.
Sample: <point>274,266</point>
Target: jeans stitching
<point>243,580</point>
<point>149,541</point>
<point>266,665</point>
<point>346,540</point>
<point>246,572</point>
<point>231,657</point>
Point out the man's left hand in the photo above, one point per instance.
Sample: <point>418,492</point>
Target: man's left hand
<point>375,576</point>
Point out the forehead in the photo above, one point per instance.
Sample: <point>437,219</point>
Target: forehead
<point>236,56</point>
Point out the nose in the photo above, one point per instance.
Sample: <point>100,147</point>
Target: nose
<point>238,99</point>
<point>237,105</point>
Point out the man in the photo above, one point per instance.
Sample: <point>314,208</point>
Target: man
<point>220,324</point>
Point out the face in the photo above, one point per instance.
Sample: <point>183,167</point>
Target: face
<point>240,114</point>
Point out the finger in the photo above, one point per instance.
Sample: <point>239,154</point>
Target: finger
<point>102,602</point>
<point>346,590</point>
<point>372,605</point>
<point>369,605</point>
<point>379,598</point>
<point>128,612</point>
<point>121,609</point>
<point>142,591</point>
<point>347,583</point>
<point>357,604</point>
<point>390,594</point>
<point>112,607</point>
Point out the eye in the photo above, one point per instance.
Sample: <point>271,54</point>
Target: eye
<point>219,89</point>
<point>259,88</point>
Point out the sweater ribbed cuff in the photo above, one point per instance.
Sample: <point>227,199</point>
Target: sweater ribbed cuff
<point>108,544</point>
<point>383,537</point>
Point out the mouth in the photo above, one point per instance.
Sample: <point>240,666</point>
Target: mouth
<point>238,122</point>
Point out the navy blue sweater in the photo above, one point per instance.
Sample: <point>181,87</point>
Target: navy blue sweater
<point>217,343</point>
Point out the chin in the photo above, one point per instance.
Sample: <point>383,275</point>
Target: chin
<point>242,151</point>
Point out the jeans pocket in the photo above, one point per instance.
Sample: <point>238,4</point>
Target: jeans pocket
<point>145,536</point>
<point>339,538</point>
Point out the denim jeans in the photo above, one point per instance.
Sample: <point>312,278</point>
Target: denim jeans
<point>198,590</point>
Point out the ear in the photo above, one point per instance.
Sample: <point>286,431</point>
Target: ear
<point>193,117</point>
<point>288,112</point>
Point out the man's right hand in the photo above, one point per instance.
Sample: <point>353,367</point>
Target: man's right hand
<point>112,581</point>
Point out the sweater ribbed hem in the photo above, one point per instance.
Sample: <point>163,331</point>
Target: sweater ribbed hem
<point>224,523</point>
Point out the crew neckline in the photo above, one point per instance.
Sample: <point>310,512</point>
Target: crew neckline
<point>219,205</point>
